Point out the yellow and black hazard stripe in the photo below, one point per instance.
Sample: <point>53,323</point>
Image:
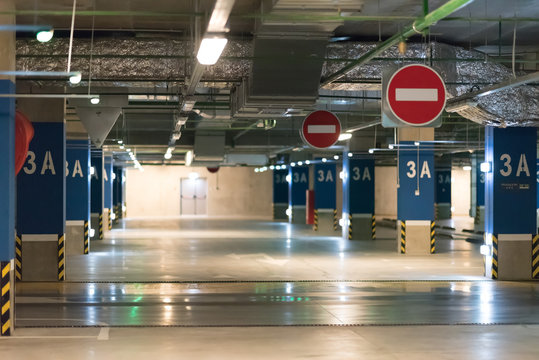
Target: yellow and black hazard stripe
<point>5,299</point>
<point>432,237</point>
<point>315,226</point>
<point>494,256</point>
<point>477,219</point>
<point>349,226</point>
<point>110,219</point>
<point>18,257</point>
<point>373,227</point>
<point>61,257</point>
<point>86,238</point>
<point>535,257</point>
<point>403,237</point>
<point>335,220</point>
<point>118,215</point>
<point>101,226</point>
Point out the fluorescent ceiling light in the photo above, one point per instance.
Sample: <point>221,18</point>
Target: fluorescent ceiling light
<point>188,158</point>
<point>345,136</point>
<point>210,50</point>
<point>467,168</point>
<point>44,35</point>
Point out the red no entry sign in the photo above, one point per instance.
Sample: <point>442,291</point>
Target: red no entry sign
<point>321,129</point>
<point>416,94</point>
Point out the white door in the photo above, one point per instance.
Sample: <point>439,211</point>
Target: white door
<point>193,196</point>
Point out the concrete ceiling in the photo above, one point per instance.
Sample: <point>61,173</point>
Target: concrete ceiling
<point>133,37</point>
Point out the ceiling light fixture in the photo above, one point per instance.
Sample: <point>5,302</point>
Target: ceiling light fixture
<point>45,35</point>
<point>75,78</point>
<point>345,136</point>
<point>95,100</point>
<point>210,49</point>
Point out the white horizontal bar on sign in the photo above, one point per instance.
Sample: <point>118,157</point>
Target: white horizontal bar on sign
<point>416,94</point>
<point>39,237</point>
<point>417,223</point>
<point>321,129</point>
<point>514,237</point>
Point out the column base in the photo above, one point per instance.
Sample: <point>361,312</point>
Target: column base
<point>325,221</point>
<point>40,257</point>
<point>7,298</point>
<point>443,211</point>
<point>96,224</point>
<point>298,214</point>
<point>360,227</point>
<point>74,237</point>
<point>512,257</point>
<point>415,237</point>
<point>279,211</point>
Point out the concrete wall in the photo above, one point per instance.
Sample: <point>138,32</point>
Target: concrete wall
<point>460,191</point>
<point>232,192</point>
<point>385,191</point>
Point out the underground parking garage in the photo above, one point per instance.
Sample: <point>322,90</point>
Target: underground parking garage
<point>337,179</point>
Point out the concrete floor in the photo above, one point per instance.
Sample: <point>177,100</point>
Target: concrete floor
<point>221,289</point>
<point>219,249</point>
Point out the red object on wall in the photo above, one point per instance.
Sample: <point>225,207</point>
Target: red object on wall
<point>213,170</point>
<point>310,207</point>
<point>24,132</point>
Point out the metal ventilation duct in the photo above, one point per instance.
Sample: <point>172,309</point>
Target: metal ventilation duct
<point>123,59</point>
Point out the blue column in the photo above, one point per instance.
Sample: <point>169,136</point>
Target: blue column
<point>97,194</point>
<point>280,194</point>
<point>41,207</point>
<point>325,196</point>
<point>7,175</point>
<point>116,182</point>
<point>510,203</point>
<point>443,193</point>
<point>297,188</point>
<point>78,191</point>
<point>107,184</point>
<point>478,192</point>
<point>415,198</point>
<point>358,198</point>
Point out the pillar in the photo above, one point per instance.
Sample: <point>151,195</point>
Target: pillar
<point>442,205</point>
<point>280,194</point>
<point>7,175</point>
<point>77,197</point>
<point>107,194</point>
<point>325,196</point>
<point>97,196</point>
<point>512,246</point>
<point>477,202</point>
<point>358,197</point>
<point>116,193</point>
<point>297,188</point>
<point>41,193</point>
<point>415,193</point>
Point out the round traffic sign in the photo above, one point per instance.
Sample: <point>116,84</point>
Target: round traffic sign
<point>321,129</point>
<point>416,94</point>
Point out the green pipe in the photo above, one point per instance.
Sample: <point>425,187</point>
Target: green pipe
<point>416,27</point>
